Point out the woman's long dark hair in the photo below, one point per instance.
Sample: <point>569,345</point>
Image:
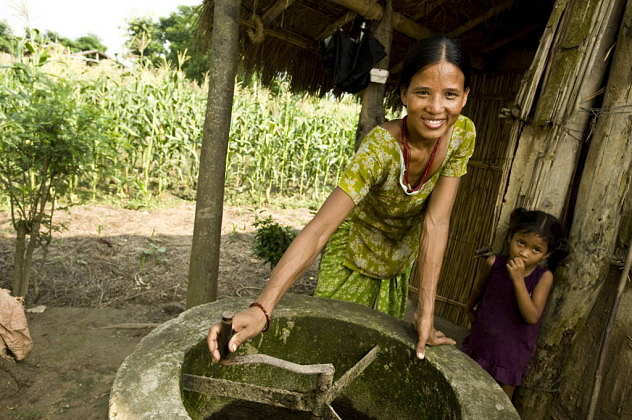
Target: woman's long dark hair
<point>544,225</point>
<point>430,51</point>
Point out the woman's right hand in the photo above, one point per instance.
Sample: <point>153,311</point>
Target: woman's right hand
<point>246,324</point>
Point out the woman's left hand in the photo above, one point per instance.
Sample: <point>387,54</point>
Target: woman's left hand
<point>429,336</point>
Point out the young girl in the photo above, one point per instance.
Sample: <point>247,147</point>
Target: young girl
<point>507,307</point>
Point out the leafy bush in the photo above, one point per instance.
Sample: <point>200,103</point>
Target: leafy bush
<point>48,138</point>
<point>271,240</point>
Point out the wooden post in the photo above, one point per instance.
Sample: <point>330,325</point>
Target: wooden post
<point>372,112</point>
<point>605,180</point>
<point>607,338</point>
<point>548,147</point>
<point>204,263</point>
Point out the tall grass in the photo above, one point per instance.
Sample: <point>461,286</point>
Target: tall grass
<point>281,145</point>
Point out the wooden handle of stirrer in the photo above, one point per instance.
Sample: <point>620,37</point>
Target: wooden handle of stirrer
<point>225,333</point>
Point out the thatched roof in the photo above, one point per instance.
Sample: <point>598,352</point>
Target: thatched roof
<point>285,35</point>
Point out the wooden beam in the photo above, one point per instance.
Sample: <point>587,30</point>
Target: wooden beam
<point>482,18</point>
<point>275,10</point>
<point>289,37</point>
<point>409,27</point>
<point>461,30</point>
<point>371,10</point>
<point>427,8</point>
<point>340,22</point>
<point>517,35</point>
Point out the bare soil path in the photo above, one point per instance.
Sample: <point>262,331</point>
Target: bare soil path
<point>110,266</point>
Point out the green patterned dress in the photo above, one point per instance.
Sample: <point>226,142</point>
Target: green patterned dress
<point>368,260</point>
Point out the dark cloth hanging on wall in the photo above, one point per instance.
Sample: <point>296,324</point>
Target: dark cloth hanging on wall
<point>352,58</point>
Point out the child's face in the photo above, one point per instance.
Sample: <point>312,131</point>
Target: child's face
<point>530,247</point>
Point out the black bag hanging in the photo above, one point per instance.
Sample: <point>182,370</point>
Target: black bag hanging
<point>352,59</point>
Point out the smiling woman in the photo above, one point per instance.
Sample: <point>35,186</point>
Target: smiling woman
<point>382,217</point>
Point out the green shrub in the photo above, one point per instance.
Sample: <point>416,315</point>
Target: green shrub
<point>271,240</point>
<point>48,138</point>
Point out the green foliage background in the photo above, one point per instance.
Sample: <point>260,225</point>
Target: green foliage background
<point>283,147</point>
<point>170,38</point>
<point>6,37</point>
<point>83,43</point>
<point>8,40</point>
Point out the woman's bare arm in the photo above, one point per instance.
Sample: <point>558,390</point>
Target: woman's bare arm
<point>300,254</point>
<point>305,247</point>
<point>433,242</point>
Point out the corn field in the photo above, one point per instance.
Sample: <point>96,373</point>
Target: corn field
<point>287,145</point>
<point>281,145</point>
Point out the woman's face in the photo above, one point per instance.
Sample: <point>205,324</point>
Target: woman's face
<point>434,99</point>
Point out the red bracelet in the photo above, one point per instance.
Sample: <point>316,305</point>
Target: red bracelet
<point>260,306</point>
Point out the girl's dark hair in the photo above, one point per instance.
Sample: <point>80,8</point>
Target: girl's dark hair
<point>430,51</point>
<point>544,225</point>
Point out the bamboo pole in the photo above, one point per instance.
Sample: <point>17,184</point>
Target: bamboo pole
<point>372,112</point>
<point>275,10</point>
<point>369,9</point>
<point>204,262</point>
<point>604,182</point>
<point>570,67</point>
<point>607,335</point>
<point>289,37</point>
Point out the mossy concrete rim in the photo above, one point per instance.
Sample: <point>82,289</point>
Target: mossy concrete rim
<point>147,384</point>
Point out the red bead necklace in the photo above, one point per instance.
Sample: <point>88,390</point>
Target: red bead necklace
<point>406,149</point>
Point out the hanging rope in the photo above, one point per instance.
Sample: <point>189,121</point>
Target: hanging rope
<point>257,35</point>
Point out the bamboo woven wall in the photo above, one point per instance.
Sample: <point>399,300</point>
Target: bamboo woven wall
<point>472,218</point>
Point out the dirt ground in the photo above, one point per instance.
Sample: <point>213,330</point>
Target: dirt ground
<point>106,267</point>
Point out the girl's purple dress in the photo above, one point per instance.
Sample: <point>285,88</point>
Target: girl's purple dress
<point>500,340</point>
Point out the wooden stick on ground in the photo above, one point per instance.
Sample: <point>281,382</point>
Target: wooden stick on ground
<point>131,325</point>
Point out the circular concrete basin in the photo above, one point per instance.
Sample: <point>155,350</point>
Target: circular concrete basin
<point>306,330</point>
